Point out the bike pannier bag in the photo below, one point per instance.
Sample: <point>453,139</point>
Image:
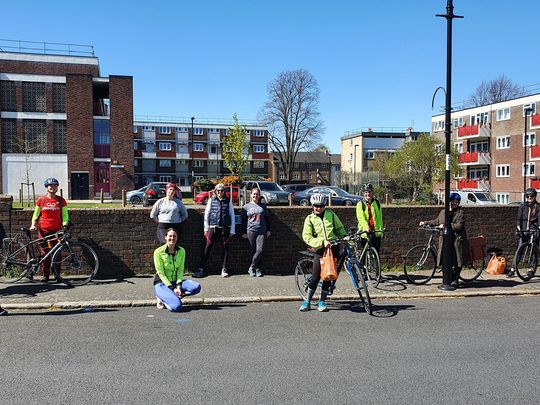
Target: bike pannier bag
<point>496,265</point>
<point>328,266</point>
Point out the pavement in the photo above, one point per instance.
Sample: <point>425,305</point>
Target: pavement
<point>138,291</point>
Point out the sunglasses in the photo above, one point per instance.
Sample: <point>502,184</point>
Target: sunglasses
<point>318,205</point>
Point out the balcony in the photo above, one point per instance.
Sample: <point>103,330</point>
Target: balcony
<point>214,137</point>
<point>182,136</point>
<point>474,131</point>
<point>474,184</point>
<point>475,158</point>
<point>535,120</point>
<point>149,154</point>
<point>535,152</point>
<point>182,155</point>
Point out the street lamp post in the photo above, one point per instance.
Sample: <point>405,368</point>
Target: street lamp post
<point>448,235</point>
<point>525,141</point>
<point>329,167</point>
<point>190,166</point>
<point>354,174</point>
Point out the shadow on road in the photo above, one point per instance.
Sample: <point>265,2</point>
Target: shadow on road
<point>379,311</point>
<point>54,312</point>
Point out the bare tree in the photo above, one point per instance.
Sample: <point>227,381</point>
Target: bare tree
<point>292,115</point>
<point>495,91</point>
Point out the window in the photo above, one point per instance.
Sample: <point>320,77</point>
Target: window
<point>10,144</point>
<point>369,155</point>
<point>149,147</point>
<point>458,122</point>
<point>213,163</point>
<point>181,148</point>
<point>480,118</point>
<point>459,147</point>
<point>8,100</point>
<point>181,129</point>
<point>503,114</point>
<point>258,164</point>
<point>258,132</point>
<point>165,163</point>
<point>198,163</point>
<point>198,147</point>
<point>101,132</point>
<point>350,157</point>
<point>165,146</point>
<point>350,142</point>
<point>34,135</point>
<point>59,137</point>
<point>33,96</point>
<point>181,162</point>
<point>225,133</point>
<point>438,148</point>
<point>165,179</point>
<point>503,142</point>
<point>529,169</point>
<point>503,171</point>
<point>281,176</point>
<point>248,131</point>
<point>148,128</point>
<point>135,129</point>
<point>309,165</point>
<point>296,165</point>
<point>478,173</point>
<point>529,108</point>
<point>479,146</point>
<point>59,97</point>
<point>165,130</point>
<point>213,130</point>
<point>197,131</point>
<point>135,164</point>
<point>296,176</point>
<point>529,139</point>
<point>213,149</point>
<point>258,149</point>
<point>502,198</point>
<point>438,126</point>
<point>198,177</point>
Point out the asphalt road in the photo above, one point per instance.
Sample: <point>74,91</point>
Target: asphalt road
<point>471,350</point>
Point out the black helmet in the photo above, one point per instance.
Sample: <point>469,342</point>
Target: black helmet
<point>367,187</point>
<point>51,181</point>
<point>530,192</point>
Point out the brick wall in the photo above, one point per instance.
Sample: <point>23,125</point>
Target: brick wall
<point>45,68</point>
<point>125,238</point>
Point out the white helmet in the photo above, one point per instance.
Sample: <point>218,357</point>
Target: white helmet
<point>318,199</point>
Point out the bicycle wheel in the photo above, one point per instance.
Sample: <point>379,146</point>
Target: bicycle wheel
<point>419,264</point>
<point>373,266</point>
<point>362,288</point>
<point>525,261</point>
<point>302,274</point>
<point>75,263</point>
<point>472,271</point>
<point>13,261</point>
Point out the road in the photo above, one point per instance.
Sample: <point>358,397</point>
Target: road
<point>471,350</point>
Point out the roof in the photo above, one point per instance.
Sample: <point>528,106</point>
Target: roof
<point>314,157</point>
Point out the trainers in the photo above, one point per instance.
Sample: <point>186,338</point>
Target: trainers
<point>3,312</point>
<point>224,273</point>
<point>258,273</point>
<point>251,272</point>
<point>530,273</point>
<point>306,306</point>
<point>199,273</point>
<point>159,304</point>
<point>322,307</point>
<point>511,273</point>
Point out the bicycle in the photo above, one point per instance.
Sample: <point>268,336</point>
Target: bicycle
<point>348,259</point>
<point>370,257</point>
<point>73,263</point>
<point>526,256</point>
<point>420,262</point>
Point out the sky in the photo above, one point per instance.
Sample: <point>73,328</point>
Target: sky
<point>377,62</point>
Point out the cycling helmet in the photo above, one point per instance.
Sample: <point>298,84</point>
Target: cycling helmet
<point>454,196</point>
<point>318,199</point>
<point>51,181</point>
<point>530,192</point>
<point>367,187</point>
<point>220,186</point>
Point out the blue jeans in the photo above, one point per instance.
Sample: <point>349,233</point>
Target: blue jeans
<point>170,299</point>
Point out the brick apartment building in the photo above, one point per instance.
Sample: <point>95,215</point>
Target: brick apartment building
<point>60,118</point>
<point>495,151</point>
<point>184,150</point>
<point>306,168</point>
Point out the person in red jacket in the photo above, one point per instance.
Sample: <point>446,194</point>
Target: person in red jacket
<point>49,216</point>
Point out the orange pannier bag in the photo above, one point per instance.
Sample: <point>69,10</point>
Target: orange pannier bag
<point>496,265</point>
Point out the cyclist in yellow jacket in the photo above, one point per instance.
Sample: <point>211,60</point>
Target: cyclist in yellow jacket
<point>369,215</point>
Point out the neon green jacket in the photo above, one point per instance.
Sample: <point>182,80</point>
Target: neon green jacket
<point>169,268</point>
<point>317,230</point>
<point>362,216</point>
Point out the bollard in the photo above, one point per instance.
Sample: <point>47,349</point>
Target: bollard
<point>290,200</point>
<point>101,195</point>
<point>123,197</point>
<point>329,200</point>
<point>21,196</point>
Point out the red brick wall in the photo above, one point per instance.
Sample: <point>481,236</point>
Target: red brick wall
<point>47,68</point>
<point>80,137</point>
<point>121,127</point>
<point>125,238</point>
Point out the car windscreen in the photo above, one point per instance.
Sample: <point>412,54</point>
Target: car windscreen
<point>484,197</point>
<point>340,192</point>
<point>269,187</point>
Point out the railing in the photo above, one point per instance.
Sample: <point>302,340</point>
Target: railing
<point>377,129</point>
<point>48,48</point>
<point>186,121</point>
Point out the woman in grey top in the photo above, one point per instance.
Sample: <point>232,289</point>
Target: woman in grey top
<point>255,216</point>
<point>168,212</point>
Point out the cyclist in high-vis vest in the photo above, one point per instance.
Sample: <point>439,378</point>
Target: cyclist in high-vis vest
<point>369,215</point>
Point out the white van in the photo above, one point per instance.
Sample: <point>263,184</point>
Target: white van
<point>475,197</point>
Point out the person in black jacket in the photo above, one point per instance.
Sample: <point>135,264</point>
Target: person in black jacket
<point>528,218</point>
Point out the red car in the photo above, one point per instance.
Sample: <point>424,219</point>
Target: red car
<point>202,198</point>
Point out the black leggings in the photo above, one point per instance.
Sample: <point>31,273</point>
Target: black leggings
<point>256,241</point>
<point>316,272</point>
<point>213,234</point>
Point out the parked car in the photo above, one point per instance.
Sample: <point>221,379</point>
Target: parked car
<point>475,197</point>
<point>135,196</point>
<point>154,191</point>
<point>202,197</point>
<point>339,196</point>
<point>271,193</point>
<point>294,188</point>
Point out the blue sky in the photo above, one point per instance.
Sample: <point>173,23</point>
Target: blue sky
<point>377,62</point>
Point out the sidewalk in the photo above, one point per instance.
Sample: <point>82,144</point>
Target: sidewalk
<point>138,291</point>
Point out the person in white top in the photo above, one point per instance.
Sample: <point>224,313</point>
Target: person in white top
<point>169,212</point>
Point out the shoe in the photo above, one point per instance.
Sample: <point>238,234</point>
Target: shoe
<point>306,306</point>
<point>224,273</point>
<point>199,273</point>
<point>530,273</point>
<point>511,273</point>
<point>3,312</point>
<point>322,307</point>
<point>44,279</point>
<point>258,273</point>
<point>251,272</point>
<point>159,304</point>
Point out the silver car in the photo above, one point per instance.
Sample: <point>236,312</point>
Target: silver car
<point>271,193</point>
<point>135,196</point>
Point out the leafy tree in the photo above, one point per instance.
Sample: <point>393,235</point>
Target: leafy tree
<point>292,115</point>
<point>416,167</point>
<point>234,149</point>
<point>495,91</point>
